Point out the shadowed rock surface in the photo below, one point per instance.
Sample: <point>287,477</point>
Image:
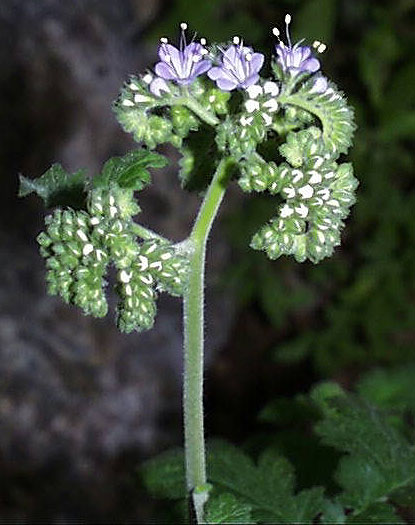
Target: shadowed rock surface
<point>80,404</point>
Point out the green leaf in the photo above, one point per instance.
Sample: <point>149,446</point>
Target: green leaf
<point>379,460</point>
<point>390,389</point>
<point>376,514</point>
<point>56,187</point>
<point>226,508</point>
<point>130,171</point>
<point>164,475</point>
<point>268,486</point>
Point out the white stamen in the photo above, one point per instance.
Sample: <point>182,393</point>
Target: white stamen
<point>246,121</point>
<point>271,88</point>
<point>163,40</point>
<point>321,48</point>
<point>146,279</point>
<point>251,105</point>
<point>183,26</point>
<point>321,237</point>
<point>88,248</point>
<point>82,235</point>
<point>236,40</point>
<point>151,249</point>
<point>203,41</point>
<point>147,78</point>
<point>302,211</point>
<point>315,178</point>
<point>143,263</point>
<point>271,105</point>
<point>306,191</point>
<point>157,265</point>
<point>141,98</point>
<point>276,31</point>
<point>127,103</point>
<point>287,19</point>
<point>290,192</point>
<point>248,57</point>
<point>316,43</point>
<point>125,277</point>
<point>286,211</point>
<point>254,91</point>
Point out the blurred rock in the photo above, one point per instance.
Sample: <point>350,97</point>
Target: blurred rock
<point>80,403</point>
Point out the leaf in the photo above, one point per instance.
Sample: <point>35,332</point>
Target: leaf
<point>390,389</point>
<point>226,508</point>
<point>56,187</point>
<point>164,475</point>
<point>376,514</point>
<point>379,460</point>
<point>268,486</point>
<point>130,171</point>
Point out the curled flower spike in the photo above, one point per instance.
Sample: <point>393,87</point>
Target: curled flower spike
<point>182,65</point>
<point>239,67</point>
<point>295,59</point>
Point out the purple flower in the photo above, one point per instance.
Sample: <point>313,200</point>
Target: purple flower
<point>297,59</point>
<point>238,69</point>
<point>182,65</point>
<point>294,59</point>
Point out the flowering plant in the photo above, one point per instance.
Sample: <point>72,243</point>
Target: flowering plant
<point>282,134</point>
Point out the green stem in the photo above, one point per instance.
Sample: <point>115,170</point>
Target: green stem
<point>146,233</point>
<point>198,109</point>
<point>300,102</point>
<point>193,341</point>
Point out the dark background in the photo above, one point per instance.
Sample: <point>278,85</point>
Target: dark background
<point>82,405</point>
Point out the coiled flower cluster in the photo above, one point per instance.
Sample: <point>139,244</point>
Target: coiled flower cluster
<point>283,134</point>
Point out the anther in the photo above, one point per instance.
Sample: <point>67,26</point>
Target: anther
<point>203,41</point>
<point>276,31</point>
<point>248,57</point>
<point>287,19</point>
<point>183,26</point>
<point>316,43</point>
<point>236,40</point>
<point>163,40</point>
<point>321,48</point>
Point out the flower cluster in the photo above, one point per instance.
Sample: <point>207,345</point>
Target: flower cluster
<point>79,245</point>
<point>236,67</point>
<point>194,84</point>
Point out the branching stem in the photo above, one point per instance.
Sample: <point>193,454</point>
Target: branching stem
<point>194,339</point>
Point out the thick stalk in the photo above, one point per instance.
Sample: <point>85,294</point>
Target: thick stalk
<point>194,339</point>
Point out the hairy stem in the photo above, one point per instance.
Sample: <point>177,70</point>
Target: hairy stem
<point>193,341</point>
<point>146,234</point>
<point>198,109</point>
